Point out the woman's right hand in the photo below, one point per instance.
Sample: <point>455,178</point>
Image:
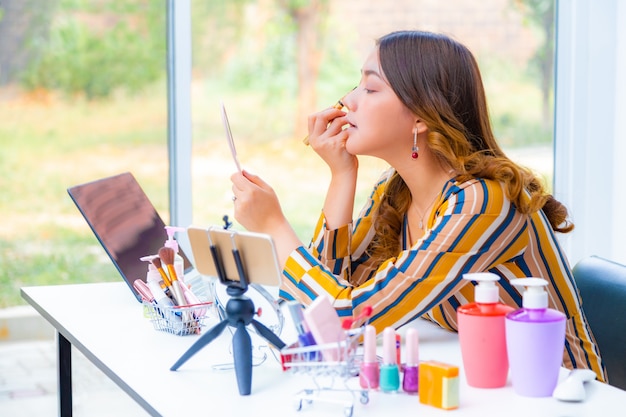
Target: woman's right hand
<point>328,140</point>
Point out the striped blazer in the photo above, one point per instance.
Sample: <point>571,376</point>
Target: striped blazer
<point>473,227</point>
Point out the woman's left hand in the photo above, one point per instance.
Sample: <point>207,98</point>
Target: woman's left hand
<point>256,205</point>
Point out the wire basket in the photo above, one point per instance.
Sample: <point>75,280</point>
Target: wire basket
<point>325,364</point>
<point>179,320</point>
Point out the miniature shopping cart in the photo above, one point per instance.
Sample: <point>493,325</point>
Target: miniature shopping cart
<point>326,364</point>
<point>178,320</point>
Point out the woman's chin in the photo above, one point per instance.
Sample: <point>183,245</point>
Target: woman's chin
<point>351,148</point>
<point>352,141</point>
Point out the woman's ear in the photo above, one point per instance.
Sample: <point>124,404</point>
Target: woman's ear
<point>420,127</point>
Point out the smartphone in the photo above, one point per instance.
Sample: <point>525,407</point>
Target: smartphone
<point>257,252</point>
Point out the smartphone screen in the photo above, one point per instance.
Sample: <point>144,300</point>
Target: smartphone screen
<point>257,251</point>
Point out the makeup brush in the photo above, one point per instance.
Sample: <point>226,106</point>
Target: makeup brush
<point>167,283</point>
<point>167,255</point>
<point>156,261</point>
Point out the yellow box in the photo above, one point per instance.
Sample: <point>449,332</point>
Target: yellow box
<point>439,385</point>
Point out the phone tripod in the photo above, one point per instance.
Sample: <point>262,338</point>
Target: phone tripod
<point>239,313</point>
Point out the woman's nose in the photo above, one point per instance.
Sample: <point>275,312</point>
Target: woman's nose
<point>348,100</point>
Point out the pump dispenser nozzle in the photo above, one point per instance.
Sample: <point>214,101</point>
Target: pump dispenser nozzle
<point>179,263</point>
<point>486,291</point>
<point>171,242</point>
<point>535,295</point>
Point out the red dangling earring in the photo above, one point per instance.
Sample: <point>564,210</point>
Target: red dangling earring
<point>414,149</point>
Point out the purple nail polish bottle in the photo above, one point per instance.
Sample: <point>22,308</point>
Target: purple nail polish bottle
<point>410,382</point>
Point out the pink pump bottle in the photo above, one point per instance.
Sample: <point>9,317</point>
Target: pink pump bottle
<point>535,341</point>
<point>482,334</point>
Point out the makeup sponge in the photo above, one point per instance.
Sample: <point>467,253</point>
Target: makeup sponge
<point>439,385</point>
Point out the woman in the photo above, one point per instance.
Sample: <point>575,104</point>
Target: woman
<point>451,203</point>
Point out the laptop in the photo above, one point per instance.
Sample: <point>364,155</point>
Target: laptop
<point>125,222</point>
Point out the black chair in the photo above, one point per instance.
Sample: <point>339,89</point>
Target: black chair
<point>602,286</point>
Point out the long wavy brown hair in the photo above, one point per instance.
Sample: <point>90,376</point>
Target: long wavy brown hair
<point>438,79</point>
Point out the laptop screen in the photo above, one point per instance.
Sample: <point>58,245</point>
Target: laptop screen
<point>124,221</point>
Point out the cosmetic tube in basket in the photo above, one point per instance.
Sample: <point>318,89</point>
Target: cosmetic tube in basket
<point>154,275</point>
<point>369,374</point>
<point>163,303</point>
<point>305,338</point>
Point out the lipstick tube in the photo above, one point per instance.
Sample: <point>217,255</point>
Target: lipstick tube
<point>389,371</point>
<point>369,374</point>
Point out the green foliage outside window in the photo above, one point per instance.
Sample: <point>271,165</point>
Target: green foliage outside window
<point>125,49</point>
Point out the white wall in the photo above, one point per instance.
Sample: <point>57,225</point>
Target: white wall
<point>590,149</point>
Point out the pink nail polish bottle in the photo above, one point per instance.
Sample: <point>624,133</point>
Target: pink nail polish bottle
<point>369,374</point>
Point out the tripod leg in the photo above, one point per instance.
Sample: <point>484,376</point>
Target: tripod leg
<point>204,340</point>
<point>268,335</point>
<point>242,350</point>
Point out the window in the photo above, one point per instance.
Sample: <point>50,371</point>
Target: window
<point>82,96</point>
<point>246,54</point>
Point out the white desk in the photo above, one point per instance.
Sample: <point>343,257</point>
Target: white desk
<point>105,323</point>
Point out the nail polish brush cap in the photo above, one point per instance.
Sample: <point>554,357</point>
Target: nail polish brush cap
<point>389,346</point>
<point>369,344</point>
<point>412,347</point>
